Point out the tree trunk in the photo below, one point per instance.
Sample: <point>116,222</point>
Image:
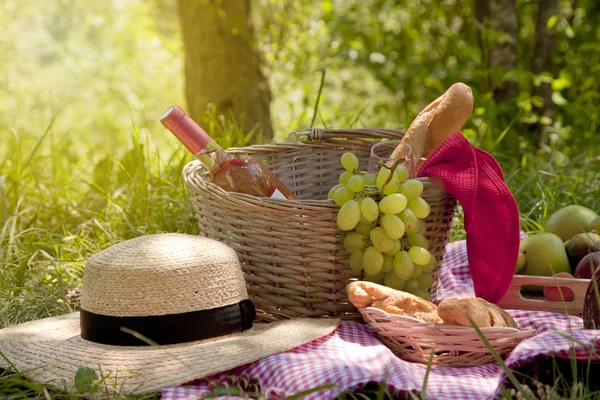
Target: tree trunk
<point>222,64</point>
<point>501,16</point>
<point>542,62</point>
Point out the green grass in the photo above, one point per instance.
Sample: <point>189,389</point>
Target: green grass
<point>60,204</point>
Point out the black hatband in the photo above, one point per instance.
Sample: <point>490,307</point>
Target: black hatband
<point>167,329</point>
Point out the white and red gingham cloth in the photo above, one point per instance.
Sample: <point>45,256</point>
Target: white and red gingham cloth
<point>353,356</point>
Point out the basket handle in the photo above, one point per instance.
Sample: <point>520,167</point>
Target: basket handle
<point>320,134</point>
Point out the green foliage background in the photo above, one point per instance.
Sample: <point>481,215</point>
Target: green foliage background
<point>84,162</point>
<point>106,66</point>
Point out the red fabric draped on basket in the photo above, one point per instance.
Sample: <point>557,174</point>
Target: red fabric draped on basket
<point>475,179</point>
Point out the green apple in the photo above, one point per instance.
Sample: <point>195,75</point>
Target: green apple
<point>569,221</point>
<point>545,255</point>
<point>594,226</point>
<point>520,263</point>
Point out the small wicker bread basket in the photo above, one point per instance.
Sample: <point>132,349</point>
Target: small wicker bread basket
<point>291,252</point>
<point>455,346</point>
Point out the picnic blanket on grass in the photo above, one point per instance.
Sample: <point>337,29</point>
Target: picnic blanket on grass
<point>352,355</point>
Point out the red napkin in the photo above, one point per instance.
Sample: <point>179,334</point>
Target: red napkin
<point>475,179</point>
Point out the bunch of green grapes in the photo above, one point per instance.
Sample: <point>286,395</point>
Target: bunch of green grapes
<point>385,238</point>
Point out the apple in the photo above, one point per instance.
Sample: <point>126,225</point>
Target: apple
<point>594,226</point>
<point>569,221</point>
<point>520,266</point>
<point>557,293</point>
<point>580,246</point>
<point>545,255</point>
<point>588,265</point>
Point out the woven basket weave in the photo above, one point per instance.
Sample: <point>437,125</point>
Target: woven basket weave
<point>455,346</point>
<point>291,251</point>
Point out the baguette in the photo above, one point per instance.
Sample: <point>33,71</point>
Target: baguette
<point>368,294</point>
<point>436,122</point>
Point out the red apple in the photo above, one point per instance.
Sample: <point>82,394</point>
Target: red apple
<point>588,265</point>
<point>554,293</point>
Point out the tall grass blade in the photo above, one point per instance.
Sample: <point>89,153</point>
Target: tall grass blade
<point>41,139</point>
<point>316,108</point>
<point>309,391</point>
<point>509,373</point>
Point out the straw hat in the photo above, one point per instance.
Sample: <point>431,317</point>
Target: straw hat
<point>186,293</point>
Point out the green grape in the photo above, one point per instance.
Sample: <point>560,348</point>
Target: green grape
<point>394,281</point>
<point>354,241</point>
<point>412,189</point>
<point>388,263</point>
<point>413,228</point>
<point>417,271</point>
<point>345,176</point>
<point>411,285</point>
<point>343,195</point>
<point>377,278</point>
<point>392,186</point>
<point>424,294</point>
<point>369,179</point>
<point>348,216</point>
<point>403,265</point>
<point>355,261</point>
<point>369,209</point>
<point>393,204</point>
<point>425,281</point>
<point>333,189</point>
<point>382,176</point>
<point>416,239</point>
<point>363,220</point>
<point>381,240</point>
<point>409,218</point>
<point>393,226</point>
<point>356,183</point>
<point>420,207</point>
<point>402,173</point>
<point>349,161</point>
<point>419,255</point>
<point>422,227</point>
<point>364,229</point>
<point>395,250</point>
<point>372,261</point>
<point>430,266</point>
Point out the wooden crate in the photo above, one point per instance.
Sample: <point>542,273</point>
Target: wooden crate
<point>516,299</point>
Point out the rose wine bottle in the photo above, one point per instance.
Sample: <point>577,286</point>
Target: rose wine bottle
<point>242,174</point>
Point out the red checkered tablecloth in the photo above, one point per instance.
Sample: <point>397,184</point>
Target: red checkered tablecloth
<point>353,356</point>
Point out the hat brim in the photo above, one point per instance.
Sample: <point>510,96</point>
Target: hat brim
<point>51,351</point>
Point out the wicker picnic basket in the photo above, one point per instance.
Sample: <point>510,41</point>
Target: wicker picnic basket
<point>291,252</point>
<point>452,345</point>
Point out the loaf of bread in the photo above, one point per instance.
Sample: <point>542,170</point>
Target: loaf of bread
<point>368,294</point>
<point>450,311</point>
<point>481,312</point>
<point>436,122</point>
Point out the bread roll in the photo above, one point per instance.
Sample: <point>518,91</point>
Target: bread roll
<point>368,294</point>
<point>483,313</point>
<point>436,122</point>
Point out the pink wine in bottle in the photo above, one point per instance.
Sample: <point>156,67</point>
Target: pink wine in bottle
<point>242,174</point>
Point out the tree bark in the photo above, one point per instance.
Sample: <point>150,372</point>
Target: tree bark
<point>501,16</point>
<point>542,62</point>
<point>222,64</point>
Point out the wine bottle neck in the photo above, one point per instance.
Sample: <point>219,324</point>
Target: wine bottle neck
<point>185,129</point>
<point>212,155</point>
